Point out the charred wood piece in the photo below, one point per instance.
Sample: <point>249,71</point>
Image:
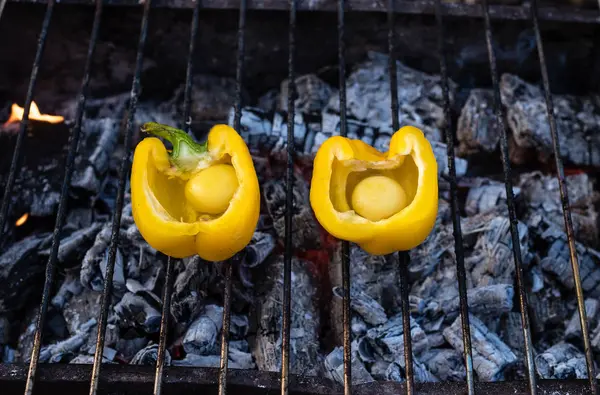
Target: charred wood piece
<point>334,367</point>
<point>304,337</point>
<point>446,364</point>
<point>541,194</point>
<point>21,271</point>
<point>485,195</point>
<point>364,305</point>
<point>487,300</point>
<point>388,339</point>
<point>139,311</point>
<point>68,348</point>
<point>490,354</point>
<point>576,120</point>
<point>312,94</point>
<point>368,97</point>
<point>477,128</point>
<point>397,371</point>
<point>306,233</point>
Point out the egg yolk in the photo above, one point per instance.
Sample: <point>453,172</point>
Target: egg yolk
<point>211,190</point>
<point>378,197</point>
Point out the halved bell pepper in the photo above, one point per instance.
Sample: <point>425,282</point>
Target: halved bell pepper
<point>198,199</point>
<point>384,202</point>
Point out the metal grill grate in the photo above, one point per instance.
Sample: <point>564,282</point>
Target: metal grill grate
<point>393,7</point>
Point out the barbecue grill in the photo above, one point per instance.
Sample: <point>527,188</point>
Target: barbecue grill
<point>42,378</point>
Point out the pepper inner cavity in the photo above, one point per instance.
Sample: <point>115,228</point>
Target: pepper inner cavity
<point>375,191</point>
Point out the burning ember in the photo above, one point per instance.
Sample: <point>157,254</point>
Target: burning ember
<point>22,219</point>
<point>16,115</point>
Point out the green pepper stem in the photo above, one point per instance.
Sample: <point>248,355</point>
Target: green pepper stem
<point>186,152</point>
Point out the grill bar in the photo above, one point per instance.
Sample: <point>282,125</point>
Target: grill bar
<point>345,258</point>
<point>403,257</point>
<point>227,266</point>
<point>186,124</point>
<point>416,7</point>
<point>403,261</point>
<point>60,218</point>
<point>289,205</point>
<point>164,327</point>
<point>457,231</point>
<point>14,164</point>
<point>510,200</point>
<point>116,223</point>
<point>564,197</point>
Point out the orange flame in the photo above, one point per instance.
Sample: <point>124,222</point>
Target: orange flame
<point>16,115</point>
<point>22,220</point>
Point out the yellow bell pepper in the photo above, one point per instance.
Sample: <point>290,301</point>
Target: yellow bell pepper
<point>384,202</point>
<point>198,199</point>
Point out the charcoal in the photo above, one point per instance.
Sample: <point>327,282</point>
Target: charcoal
<point>73,248</point>
<point>542,195</point>
<point>486,194</point>
<point>21,272</point>
<point>128,348</point>
<point>334,368</point>
<point>68,348</point>
<point>94,153</point>
<point>239,326</point>
<point>487,300</point>
<point>149,355</point>
<point>304,332</point>
<point>388,339</point>
<point>396,371</point>
<point>211,97</point>
<point>364,305</point>
<point>138,311</point>
<point>190,289</point>
<point>562,361</point>
<point>80,308</point>
<point>260,247</point>
<point>374,276</point>
<point>4,330</point>
<point>441,157</point>
<point>446,364</point>
<point>368,97</point>
<point>548,309</point>
<point>134,258</point>
<point>576,121</point>
<point>201,337</point>
<point>492,260</point>
<point>573,328</point>
<point>477,130</point>
<point>490,355</point>
<point>511,331</point>
<point>69,287</point>
<point>556,259</point>
<point>312,94</point>
<point>305,230</point>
